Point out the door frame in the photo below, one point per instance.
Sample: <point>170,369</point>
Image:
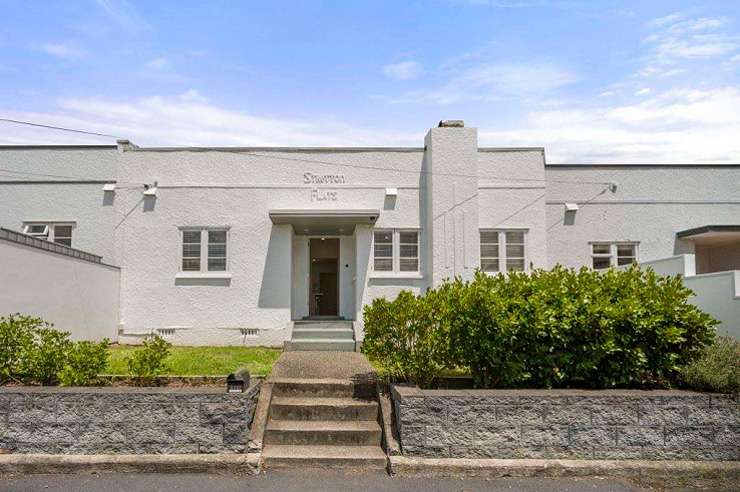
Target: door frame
<point>310,267</point>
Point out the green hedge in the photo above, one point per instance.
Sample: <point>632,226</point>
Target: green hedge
<point>548,329</point>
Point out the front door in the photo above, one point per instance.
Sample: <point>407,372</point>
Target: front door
<point>323,298</point>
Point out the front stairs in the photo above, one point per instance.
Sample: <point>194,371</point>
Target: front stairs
<point>324,423</point>
<point>322,334</point>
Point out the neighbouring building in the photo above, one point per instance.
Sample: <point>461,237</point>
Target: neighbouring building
<point>232,245</point>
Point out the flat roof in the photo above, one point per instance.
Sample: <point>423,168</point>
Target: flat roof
<point>628,165</point>
<point>707,229</point>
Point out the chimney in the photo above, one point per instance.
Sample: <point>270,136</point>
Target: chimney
<point>452,124</point>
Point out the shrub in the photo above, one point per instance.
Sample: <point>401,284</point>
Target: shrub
<point>85,360</point>
<point>403,336</point>
<point>557,328</point>
<point>148,362</point>
<point>46,355</point>
<point>718,368</point>
<point>16,339</point>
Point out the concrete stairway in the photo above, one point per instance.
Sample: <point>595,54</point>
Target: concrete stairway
<point>324,335</point>
<point>323,422</point>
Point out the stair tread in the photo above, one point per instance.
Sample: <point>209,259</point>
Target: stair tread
<point>325,340</point>
<point>319,452</point>
<point>321,401</point>
<point>328,329</point>
<point>323,425</point>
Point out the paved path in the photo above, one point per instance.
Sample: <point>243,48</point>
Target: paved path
<point>322,365</point>
<point>299,480</point>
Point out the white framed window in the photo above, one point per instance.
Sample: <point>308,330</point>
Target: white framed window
<point>605,254</point>
<point>57,232</point>
<point>204,249</point>
<point>396,251</point>
<point>503,250</point>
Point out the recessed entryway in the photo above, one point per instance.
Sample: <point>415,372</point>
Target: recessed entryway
<point>323,297</point>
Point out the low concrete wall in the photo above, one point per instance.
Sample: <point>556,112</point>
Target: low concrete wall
<point>52,420</point>
<point>75,294</point>
<point>563,424</point>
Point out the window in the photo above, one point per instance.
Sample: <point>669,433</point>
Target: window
<point>503,251</point>
<point>608,254</point>
<point>396,251</point>
<point>60,233</point>
<point>212,258</point>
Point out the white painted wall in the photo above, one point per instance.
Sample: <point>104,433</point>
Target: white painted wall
<point>651,204</point>
<point>76,295</point>
<point>347,268</point>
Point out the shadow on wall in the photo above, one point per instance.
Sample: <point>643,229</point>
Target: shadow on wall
<point>275,288</point>
<point>211,282</point>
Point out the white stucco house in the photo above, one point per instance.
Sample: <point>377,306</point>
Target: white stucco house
<point>234,245</point>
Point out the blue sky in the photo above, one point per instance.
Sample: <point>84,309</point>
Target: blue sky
<point>591,80</point>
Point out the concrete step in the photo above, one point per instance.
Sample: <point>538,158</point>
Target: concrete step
<point>323,388</point>
<point>323,333</point>
<point>322,345</point>
<point>322,432</point>
<point>281,456</point>
<point>313,408</point>
<point>322,324</point>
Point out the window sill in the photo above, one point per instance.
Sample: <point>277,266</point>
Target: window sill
<point>410,275</point>
<point>204,275</point>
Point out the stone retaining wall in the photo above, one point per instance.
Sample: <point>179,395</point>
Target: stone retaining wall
<point>54,420</point>
<point>567,424</point>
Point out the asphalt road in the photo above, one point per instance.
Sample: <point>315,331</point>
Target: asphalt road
<point>302,480</point>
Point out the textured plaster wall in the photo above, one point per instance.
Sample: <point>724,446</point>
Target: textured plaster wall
<point>54,420</point>
<point>567,424</point>
<point>38,194</point>
<point>650,206</point>
<point>76,295</point>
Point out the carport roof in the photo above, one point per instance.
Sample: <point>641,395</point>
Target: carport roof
<point>711,234</point>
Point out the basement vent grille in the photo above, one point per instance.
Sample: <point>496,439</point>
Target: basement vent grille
<point>165,331</point>
<point>249,332</point>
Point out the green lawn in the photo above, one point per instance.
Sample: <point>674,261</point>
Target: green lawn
<point>203,361</point>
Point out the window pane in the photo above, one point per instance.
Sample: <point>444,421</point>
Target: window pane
<point>217,264</point>
<point>383,264</point>
<point>625,250</point>
<point>191,250</point>
<point>67,241</point>
<point>514,265</point>
<point>409,264</point>
<point>408,237</point>
<point>514,251</point>
<point>383,237</point>
<point>515,237</point>
<point>383,250</point>
<point>625,260</point>
<point>489,250</point>
<point>489,265</point>
<point>62,231</point>
<point>216,236</point>
<point>601,248</point>
<point>216,250</point>
<point>601,262</point>
<point>191,264</point>
<point>489,237</point>
<point>191,236</point>
<point>409,250</point>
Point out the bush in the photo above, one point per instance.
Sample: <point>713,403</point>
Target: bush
<point>148,362</point>
<point>16,339</point>
<point>47,355</point>
<point>718,368</point>
<point>557,328</point>
<point>85,360</point>
<point>404,337</point>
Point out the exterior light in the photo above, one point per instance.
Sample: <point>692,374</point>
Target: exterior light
<point>237,383</point>
<point>391,192</point>
<point>571,207</point>
<point>109,187</point>
<point>151,191</point>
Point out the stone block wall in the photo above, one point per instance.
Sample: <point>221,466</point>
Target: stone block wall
<point>54,420</point>
<point>567,424</point>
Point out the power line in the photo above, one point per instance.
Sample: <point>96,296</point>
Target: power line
<point>60,128</point>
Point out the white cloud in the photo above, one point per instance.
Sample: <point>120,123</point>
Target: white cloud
<point>405,70</point>
<point>644,91</point>
<point>678,37</point>
<point>492,81</point>
<point>68,51</point>
<point>672,126</point>
<point>123,14</point>
<point>188,120</point>
<point>160,63</point>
